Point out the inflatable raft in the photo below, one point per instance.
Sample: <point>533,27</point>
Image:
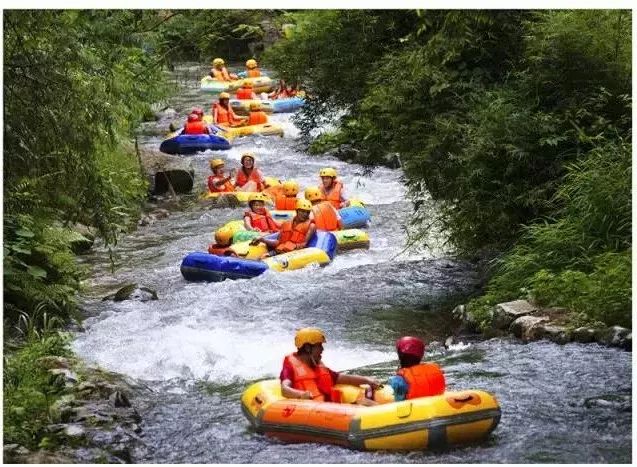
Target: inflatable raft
<point>199,266</point>
<point>260,84</point>
<point>352,217</point>
<point>291,104</point>
<point>177,143</point>
<point>263,129</point>
<point>454,418</point>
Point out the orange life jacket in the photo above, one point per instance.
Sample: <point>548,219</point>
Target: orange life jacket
<point>285,203</point>
<point>257,118</point>
<point>244,93</point>
<point>325,216</point>
<point>262,222</point>
<point>223,116</point>
<point>220,75</point>
<point>273,191</point>
<point>218,250</point>
<point>195,128</point>
<point>254,176</point>
<point>334,195</point>
<point>225,188</point>
<point>292,235</point>
<point>424,379</point>
<point>253,73</point>
<point>316,380</point>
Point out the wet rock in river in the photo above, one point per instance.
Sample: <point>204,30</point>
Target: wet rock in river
<point>615,336</point>
<point>583,335</point>
<point>506,313</point>
<point>133,292</point>
<point>528,328</point>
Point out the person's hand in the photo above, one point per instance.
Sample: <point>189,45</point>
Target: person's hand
<point>256,241</point>
<point>373,382</point>
<point>306,395</point>
<point>366,402</point>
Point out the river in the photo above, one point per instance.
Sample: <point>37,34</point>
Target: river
<point>201,344</point>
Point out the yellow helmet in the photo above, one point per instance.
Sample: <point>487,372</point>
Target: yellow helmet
<point>252,63</point>
<point>308,336</point>
<point>248,154</point>
<point>218,61</point>
<point>247,84</point>
<point>303,204</point>
<point>257,197</point>
<point>223,236</point>
<point>313,193</point>
<point>271,181</point>
<point>290,188</point>
<point>224,95</point>
<point>214,163</point>
<point>327,172</point>
<point>255,106</point>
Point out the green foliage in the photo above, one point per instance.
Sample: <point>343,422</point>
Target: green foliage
<point>327,141</point>
<point>28,392</point>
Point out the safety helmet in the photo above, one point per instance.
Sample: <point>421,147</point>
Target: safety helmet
<point>224,95</point>
<point>308,336</point>
<point>313,193</point>
<point>255,106</point>
<point>193,117</point>
<point>223,235</point>
<point>247,154</point>
<point>252,63</point>
<point>197,110</point>
<point>271,181</point>
<point>214,163</point>
<point>247,84</point>
<point>290,188</point>
<point>218,61</point>
<point>327,172</point>
<point>303,204</point>
<point>409,345</point>
<point>257,197</point>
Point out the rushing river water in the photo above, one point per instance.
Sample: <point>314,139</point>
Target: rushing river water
<point>201,344</point>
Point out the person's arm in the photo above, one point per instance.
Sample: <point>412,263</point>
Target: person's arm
<point>290,393</point>
<point>311,231</point>
<point>269,242</point>
<point>356,380</point>
<point>248,224</point>
<point>215,114</point>
<point>339,220</point>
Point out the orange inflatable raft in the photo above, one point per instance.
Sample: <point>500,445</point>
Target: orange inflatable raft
<point>455,417</point>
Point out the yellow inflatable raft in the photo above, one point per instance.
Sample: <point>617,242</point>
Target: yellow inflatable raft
<point>456,417</point>
<point>230,133</point>
<point>351,239</point>
<point>242,106</point>
<point>260,84</point>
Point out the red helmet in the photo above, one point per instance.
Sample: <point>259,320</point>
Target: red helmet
<point>197,111</point>
<point>409,345</point>
<point>193,117</point>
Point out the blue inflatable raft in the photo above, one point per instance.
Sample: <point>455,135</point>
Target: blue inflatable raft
<point>289,104</point>
<point>354,217</point>
<point>191,144</point>
<point>198,266</point>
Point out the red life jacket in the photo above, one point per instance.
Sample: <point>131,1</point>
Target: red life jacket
<point>225,188</point>
<point>292,235</point>
<point>424,379</point>
<point>262,222</point>
<point>253,73</point>
<point>334,195</point>
<point>254,176</point>
<point>325,216</point>
<point>244,93</point>
<point>257,118</point>
<point>215,249</point>
<point>195,128</point>
<point>285,203</point>
<point>316,380</point>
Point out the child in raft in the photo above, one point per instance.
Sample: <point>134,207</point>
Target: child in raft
<point>257,218</point>
<point>295,233</point>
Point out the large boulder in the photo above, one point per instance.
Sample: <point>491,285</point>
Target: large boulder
<point>557,334</point>
<point>506,313</point>
<point>528,328</point>
<point>615,336</point>
<point>167,173</point>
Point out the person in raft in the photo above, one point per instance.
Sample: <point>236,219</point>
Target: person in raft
<point>257,218</point>
<point>252,69</point>
<point>223,114</point>
<point>218,182</point>
<point>256,115</point>
<point>246,92</point>
<point>415,378</point>
<point>324,215</point>
<point>294,234</point>
<point>304,376</point>
<point>279,92</point>
<point>332,189</point>
<point>249,178</point>
<point>195,126</point>
<point>223,241</point>
<point>219,71</point>
<point>286,200</point>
